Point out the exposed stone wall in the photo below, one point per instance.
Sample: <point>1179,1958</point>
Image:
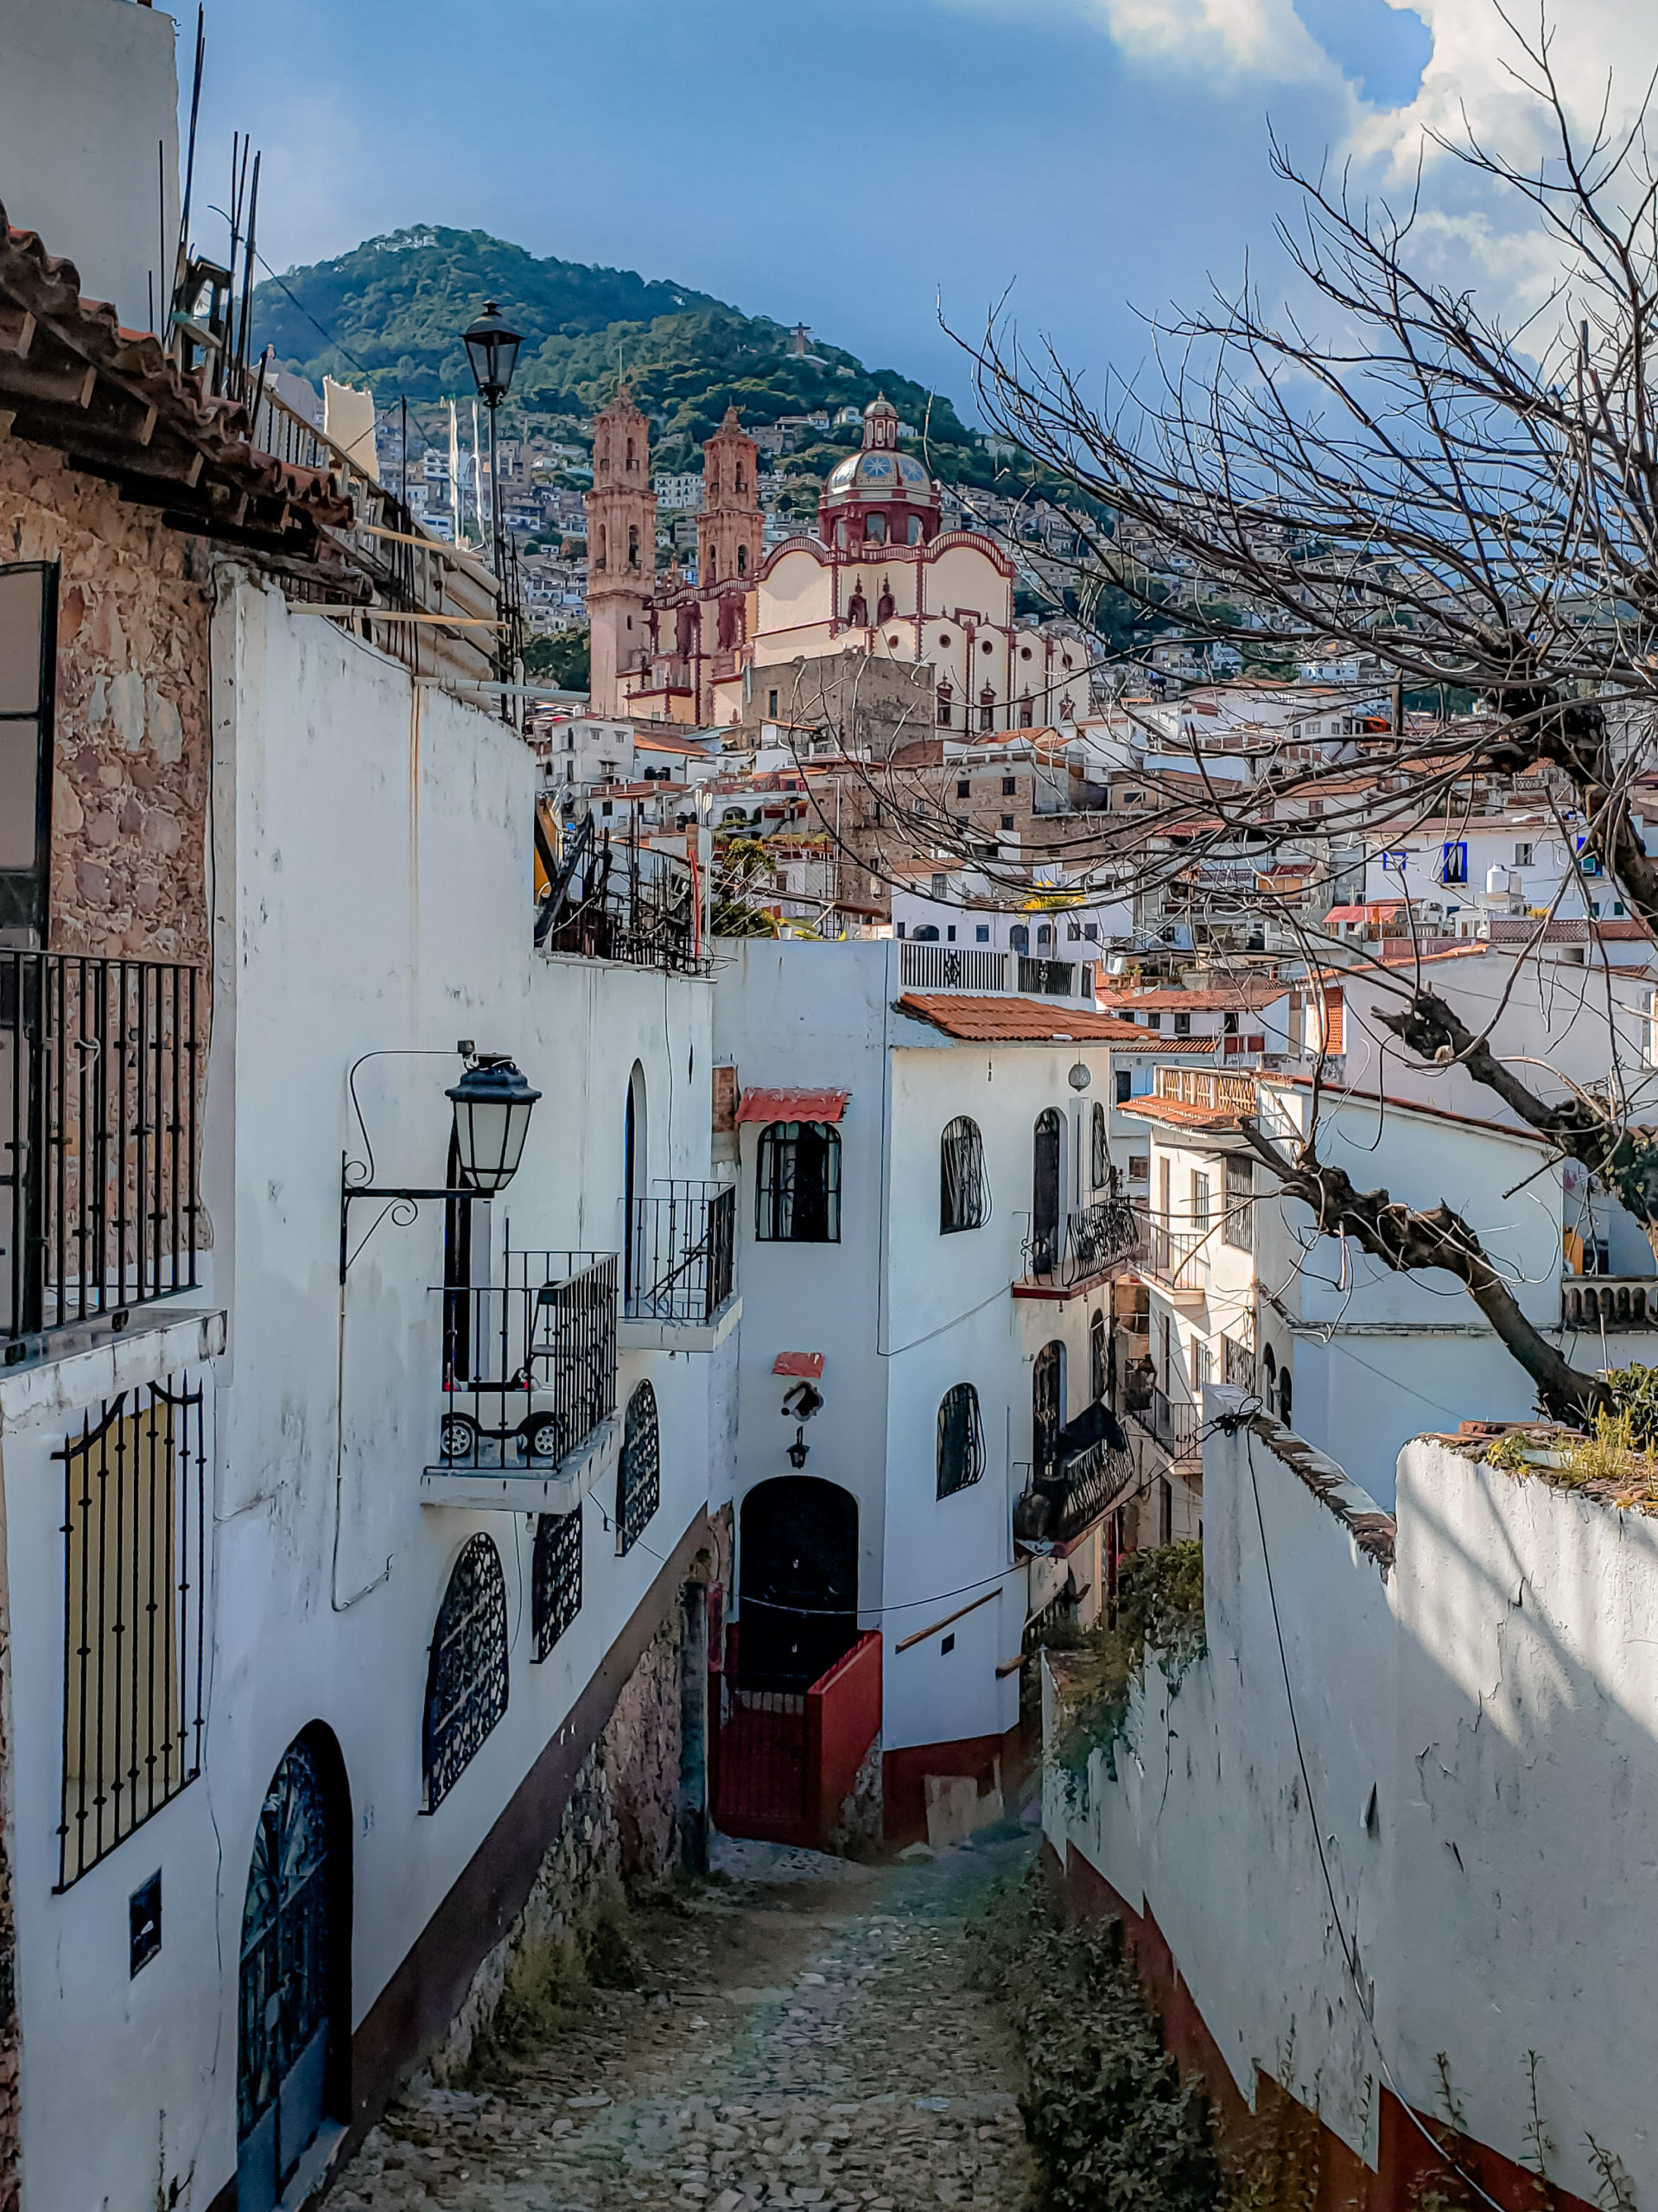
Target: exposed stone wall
<point>621,1821</point>
<point>130,793</point>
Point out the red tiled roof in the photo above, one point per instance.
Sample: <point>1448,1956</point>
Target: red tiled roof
<point>1151,1040</point>
<point>1013,1021</point>
<point>1226,998</point>
<point>808,1365</point>
<point>792,1105</point>
<point>1180,1115</point>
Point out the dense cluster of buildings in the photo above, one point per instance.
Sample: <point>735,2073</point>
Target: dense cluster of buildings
<point>542,1253</point>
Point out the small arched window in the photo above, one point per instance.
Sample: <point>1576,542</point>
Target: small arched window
<point>1019,937</point>
<point>960,1439</point>
<point>740,476</point>
<point>714,568</point>
<point>630,453</point>
<point>874,530</point>
<point>961,1164</point>
<point>633,545</point>
<point>945,698</point>
<point>1044,937</point>
<point>1098,1379</point>
<point>556,1577</point>
<point>742,560</point>
<point>912,530</point>
<point>1268,1378</point>
<point>638,1471</point>
<point>466,1673</point>
<point>600,562</point>
<point>927,934</point>
<point>797,1195</point>
<point>1099,1149</point>
<point>1284,1397</point>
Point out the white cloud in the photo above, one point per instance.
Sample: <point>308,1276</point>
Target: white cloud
<point>1263,38</point>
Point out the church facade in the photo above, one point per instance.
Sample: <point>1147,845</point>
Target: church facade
<point>881,580</point>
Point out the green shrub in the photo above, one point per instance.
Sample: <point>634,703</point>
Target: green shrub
<point>1159,1608</point>
<point>1105,2110</point>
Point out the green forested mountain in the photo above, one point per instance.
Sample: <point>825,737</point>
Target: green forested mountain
<point>398,305</point>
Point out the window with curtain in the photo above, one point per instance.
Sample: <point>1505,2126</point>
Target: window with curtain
<point>799,1185</point>
<point>1099,1151</point>
<point>960,1439</point>
<point>962,1199</point>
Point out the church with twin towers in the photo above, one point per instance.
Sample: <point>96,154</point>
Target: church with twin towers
<point>752,635</point>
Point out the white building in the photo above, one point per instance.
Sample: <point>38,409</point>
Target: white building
<point>924,1232</point>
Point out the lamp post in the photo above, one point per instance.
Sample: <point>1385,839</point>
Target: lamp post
<point>493,349</point>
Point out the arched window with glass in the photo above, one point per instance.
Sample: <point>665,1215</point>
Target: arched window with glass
<point>960,1439</point>
<point>467,1672</point>
<point>1099,1149</point>
<point>962,1198</point>
<point>638,1471</point>
<point>798,1184</point>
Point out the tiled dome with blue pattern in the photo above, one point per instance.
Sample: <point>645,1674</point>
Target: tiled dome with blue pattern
<point>879,476</point>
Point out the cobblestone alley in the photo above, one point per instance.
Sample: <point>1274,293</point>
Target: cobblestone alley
<point>805,2038</point>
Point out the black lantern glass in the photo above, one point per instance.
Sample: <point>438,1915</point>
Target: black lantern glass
<point>492,348</point>
<point>492,1119</point>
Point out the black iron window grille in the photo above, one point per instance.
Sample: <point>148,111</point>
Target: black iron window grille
<point>529,1365</point>
<point>288,1934</point>
<point>1237,1364</point>
<point>466,1674</point>
<point>798,1183</point>
<point>1238,1224</point>
<point>638,1473</point>
<point>1047,1406</point>
<point>1099,1149</point>
<point>960,1439</point>
<point>134,1616</point>
<point>962,1194</point>
<point>555,1578</point>
<point>99,1205</point>
<point>1098,1361</point>
<point>682,1253</point>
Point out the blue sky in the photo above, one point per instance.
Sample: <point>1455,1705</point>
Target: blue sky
<point>849,162</point>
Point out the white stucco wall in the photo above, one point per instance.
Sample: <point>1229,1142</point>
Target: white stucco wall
<point>371,891</point>
<point>89,143</point>
<point>1496,1691</point>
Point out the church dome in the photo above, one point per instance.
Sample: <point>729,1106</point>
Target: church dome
<point>878,495</point>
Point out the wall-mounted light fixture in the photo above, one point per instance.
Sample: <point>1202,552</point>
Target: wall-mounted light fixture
<point>493,1104</point>
<point>799,1449</point>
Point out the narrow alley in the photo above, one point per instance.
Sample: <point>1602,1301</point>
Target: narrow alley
<point>803,2035</point>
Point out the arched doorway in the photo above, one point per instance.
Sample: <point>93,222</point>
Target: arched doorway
<point>294,2002</point>
<point>1045,1193</point>
<point>797,1580</point>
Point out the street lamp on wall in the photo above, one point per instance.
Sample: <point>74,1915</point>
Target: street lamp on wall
<point>493,349</point>
<point>492,1106</point>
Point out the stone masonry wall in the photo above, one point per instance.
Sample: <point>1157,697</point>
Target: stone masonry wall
<point>130,792</point>
<point>621,1821</point>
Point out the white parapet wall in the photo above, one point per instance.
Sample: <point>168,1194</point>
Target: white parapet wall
<point>1395,1827</point>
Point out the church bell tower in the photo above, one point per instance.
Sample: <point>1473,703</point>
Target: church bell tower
<point>621,551</point>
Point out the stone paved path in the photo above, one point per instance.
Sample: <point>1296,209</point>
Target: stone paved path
<point>806,2040</point>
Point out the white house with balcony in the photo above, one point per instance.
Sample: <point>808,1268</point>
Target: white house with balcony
<point>927,1227</point>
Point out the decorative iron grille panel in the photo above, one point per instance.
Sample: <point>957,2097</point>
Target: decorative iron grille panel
<point>960,1439</point>
<point>961,1176</point>
<point>134,1613</point>
<point>285,1935</point>
<point>638,1477</point>
<point>467,1677</point>
<point>798,1183</point>
<point>556,1577</point>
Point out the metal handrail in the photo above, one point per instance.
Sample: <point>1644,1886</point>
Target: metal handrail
<point>680,1258</point>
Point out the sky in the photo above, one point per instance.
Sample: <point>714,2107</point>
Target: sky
<point>867,166</point>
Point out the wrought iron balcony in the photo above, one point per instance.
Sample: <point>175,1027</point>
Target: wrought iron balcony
<point>1177,1257</point>
<point>99,1200</point>
<point>679,1259</point>
<point>529,1384</point>
<point>629,902</point>
<point>1172,1426</point>
<point>1088,1469</point>
<point>1088,1246</point>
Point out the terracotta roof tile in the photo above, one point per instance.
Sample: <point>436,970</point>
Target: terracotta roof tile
<point>1013,1021</point>
<point>1180,1115</point>
<point>1228,998</point>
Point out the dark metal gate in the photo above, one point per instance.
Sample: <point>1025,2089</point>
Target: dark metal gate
<point>284,2012</point>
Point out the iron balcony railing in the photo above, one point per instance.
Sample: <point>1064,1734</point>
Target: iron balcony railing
<point>1178,1257</point>
<point>1056,979</point>
<point>529,1365</point>
<point>924,967</point>
<point>99,1198</point>
<point>1173,1426</point>
<point>1086,1244</point>
<point>679,1264</point>
<point>1089,1469</point>
<point>628,902</point>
